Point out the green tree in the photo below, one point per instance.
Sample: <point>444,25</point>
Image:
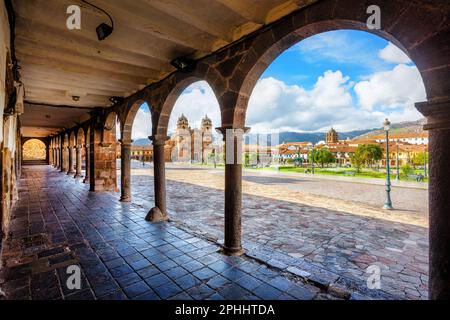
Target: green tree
<point>367,154</point>
<point>323,156</point>
<point>373,153</point>
<point>418,159</point>
<point>407,170</point>
<point>357,160</point>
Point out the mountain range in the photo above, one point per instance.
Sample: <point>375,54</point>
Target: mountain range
<point>314,137</point>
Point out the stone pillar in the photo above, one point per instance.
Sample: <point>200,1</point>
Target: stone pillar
<point>78,162</point>
<point>438,125</point>
<point>55,158</point>
<point>70,169</point>
<point>159,212</point>
<point>125,171</point>
<point>233,190</point>
<point>61,155</point>
<point>86,163</point>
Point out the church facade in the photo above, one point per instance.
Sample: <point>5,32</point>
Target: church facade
<point>190,145</point>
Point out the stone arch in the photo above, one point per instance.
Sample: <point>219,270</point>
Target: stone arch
<point>424,43</point>
<point>163,106</point>
<point>80,137</point>
<point>39,149</point>
<point>109,128</point>
<point>130,115</point>
<point>72,139</point>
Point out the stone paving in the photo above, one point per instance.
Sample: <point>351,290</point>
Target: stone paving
<point>293,250</point>
<point>58,222</point>
<point>303,228</point>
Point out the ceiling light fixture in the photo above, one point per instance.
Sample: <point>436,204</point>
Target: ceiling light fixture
<point>103,30</point>
<point>116,100</point>
<point>183,64</point>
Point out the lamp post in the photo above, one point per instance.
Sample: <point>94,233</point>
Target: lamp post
<point>312,160</point>
<point>396,162</point>
<point>387,202</point>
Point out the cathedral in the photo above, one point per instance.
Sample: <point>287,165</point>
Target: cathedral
<point>186,144</point>
<point>331,136</point>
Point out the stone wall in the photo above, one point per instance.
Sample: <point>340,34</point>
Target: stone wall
<point>9,127</point>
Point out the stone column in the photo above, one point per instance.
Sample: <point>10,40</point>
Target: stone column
<point>159,212</point>
<point>62,149</point>
<point>78,162</point>
<point>233,189</point>
<point>70,167</point>
<point>86,164</point>
<point>125,171</point>
<point>438,126</point>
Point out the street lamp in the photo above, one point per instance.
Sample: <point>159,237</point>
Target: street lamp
<point>396,162</point>
<point>387,202</point>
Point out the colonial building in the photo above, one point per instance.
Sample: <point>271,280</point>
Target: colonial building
<point>186,144</point>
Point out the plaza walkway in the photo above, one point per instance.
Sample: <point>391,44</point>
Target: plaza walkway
<point>338,235</point>
<point>58,223</point>
<point>293,250</point>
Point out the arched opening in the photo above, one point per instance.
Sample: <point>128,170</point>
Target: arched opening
<point>137,146</point>
<point>34,151</point>
<point>194,154</point>
<point>65,153</point>
<point>316,110</point>
<point>80,162</point>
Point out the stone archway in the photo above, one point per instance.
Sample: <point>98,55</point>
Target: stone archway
<point>35,151</point>
<point>421,31</point>
<point>125,149</point>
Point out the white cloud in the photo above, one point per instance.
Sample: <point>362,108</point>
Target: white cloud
<point>393,91</point>
<point>276,105</point>
<point>393,54</point>
<point>195,102</point>
<point>142,125</point>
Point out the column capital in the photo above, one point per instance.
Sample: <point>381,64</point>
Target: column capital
<point>437,114</point>
<point>159,139</point>
<point>223,130</point>
<point>125,143</point>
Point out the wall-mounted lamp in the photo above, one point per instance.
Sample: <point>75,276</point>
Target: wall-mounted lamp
<point>103,30</point>
<point>116,100</point>
<point>183,64</point>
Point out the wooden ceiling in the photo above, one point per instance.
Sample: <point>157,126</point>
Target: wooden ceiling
<point>58,63</point>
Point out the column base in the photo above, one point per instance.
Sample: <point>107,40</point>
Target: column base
<point>70,172</point>
<point>78,175</point>
<point>125,199</point>
<point>86,180</point>
<point>155,215</point>
<point>232,251</point>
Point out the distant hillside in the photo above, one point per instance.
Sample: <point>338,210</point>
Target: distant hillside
<point>314,137</point>
<point>401,127</point>
<point>142,142</point>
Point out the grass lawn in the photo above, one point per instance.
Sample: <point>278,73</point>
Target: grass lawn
<point>344,172</point>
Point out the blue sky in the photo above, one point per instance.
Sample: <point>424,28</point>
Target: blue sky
<point>355,53</point>
<point>346,79</point>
